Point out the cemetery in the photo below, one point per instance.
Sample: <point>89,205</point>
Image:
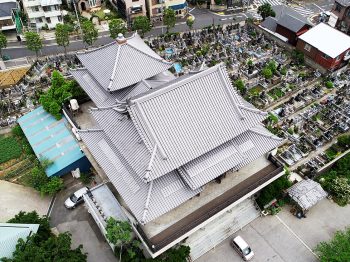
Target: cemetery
<point>307,109</point>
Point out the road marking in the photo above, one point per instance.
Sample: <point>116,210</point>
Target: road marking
<point>223,19</point>
<point>291,231</point>
<point>191,9</point>
<point>318,7</point>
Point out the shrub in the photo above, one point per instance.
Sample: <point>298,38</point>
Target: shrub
<point>273,190</point>
<point>340,189</point>
<point>329,84</point>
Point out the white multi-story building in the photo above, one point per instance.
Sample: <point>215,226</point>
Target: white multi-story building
<point>43,12</point>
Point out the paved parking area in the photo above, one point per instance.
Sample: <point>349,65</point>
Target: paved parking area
<point>80,224</point>
<point>15,198</point>
<point>285,237</point>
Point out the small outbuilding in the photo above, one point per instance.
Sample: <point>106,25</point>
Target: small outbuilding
<point>51,139</point>
<point>306,193</point>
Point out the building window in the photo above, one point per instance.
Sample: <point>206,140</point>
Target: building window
<point>59,18</point>
<point>307,47</point>
<point>35,8</point>
<point>326,56</point>
<point>135,0</point>
<point>46,8</point>
<point>56,7</point>
<point>48,20</point>
<point>39,20</point>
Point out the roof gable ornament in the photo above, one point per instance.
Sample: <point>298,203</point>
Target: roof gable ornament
<point>121,39</point>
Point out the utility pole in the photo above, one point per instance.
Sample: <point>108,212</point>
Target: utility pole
<point>78,20</point>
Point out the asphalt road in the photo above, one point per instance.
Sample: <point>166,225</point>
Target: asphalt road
<point>203,18</point>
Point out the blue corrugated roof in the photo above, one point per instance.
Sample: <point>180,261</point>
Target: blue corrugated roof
<point>9,235</point>
<point>50,139</point>
<point>179,6</point>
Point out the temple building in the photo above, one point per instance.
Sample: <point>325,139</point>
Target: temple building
<point>184,153</point>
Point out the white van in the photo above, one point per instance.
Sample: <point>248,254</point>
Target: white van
<point>242,248</point>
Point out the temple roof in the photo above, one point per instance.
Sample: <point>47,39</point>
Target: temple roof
<point>123,63</point>
<point>146,201</point>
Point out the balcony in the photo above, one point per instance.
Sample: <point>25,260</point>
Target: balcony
<point>31,3</point>
<point>50,2</point>
<point>38,14</point>
<point>53,13</point>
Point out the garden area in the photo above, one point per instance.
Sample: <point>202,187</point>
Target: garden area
<point>18,164</point>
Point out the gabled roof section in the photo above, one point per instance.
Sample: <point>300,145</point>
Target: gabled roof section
<point>10,233</point>
<point>146,201</point>
<point>122,64</point>
<point>190,117</point>
<point>290,22</point>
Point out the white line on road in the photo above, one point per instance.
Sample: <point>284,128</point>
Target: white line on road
<point>191,9</point>
<point>318,7</point>
<point>291,231</point>
<point>51,206</point>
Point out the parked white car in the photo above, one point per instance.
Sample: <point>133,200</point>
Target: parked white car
<point>242,248</point>
<point>76,198</point>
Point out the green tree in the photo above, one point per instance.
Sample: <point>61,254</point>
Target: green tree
<point>60,91</point>
<point>118,233</point>
<point>50,250</point>
<point>90,33</point>
<point>62,36</point>
<point>3,42</point>
<point>176,254</point>
<point>141,24</point>
<point>169,18</point>
<point>272,65</point>
<point>298,57</point>
<point>190,22</point>
<point>44,231</point>
<point>267,73</point>
<point>265,10</point>
<point>33,42</point>
<point>240,86</point>
<point>336,250</point>
<point>117,26</point>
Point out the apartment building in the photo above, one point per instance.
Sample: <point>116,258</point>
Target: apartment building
<point>155,8</point>
<point>340,16</point>
<point>43,12</point>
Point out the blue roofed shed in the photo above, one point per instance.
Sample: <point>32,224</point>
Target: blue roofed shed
<point>52,140</point>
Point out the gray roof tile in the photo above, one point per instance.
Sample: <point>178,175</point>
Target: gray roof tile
<point>116,66</point>
<point>146,201</point>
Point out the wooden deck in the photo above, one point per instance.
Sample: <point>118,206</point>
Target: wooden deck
<point>208,210</point>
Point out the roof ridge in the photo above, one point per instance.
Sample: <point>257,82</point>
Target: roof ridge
<point>166,88</point>
<point>90,130</point>
<point>157,59</point>
<point>253,110</point>
<point>111,80</point>
<point>147,203</point>
<point>149,167</point>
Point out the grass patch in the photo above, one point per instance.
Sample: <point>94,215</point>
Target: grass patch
<point>10,149</point>
<point>255,91</point>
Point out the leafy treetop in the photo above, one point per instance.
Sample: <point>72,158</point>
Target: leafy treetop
<point>117,26</point>
<point>90,33</point>
<point>265,10</point>
<point>169,18</point>
<point>141,24</point>
<point>62,35</point>
<point>33,42</point>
